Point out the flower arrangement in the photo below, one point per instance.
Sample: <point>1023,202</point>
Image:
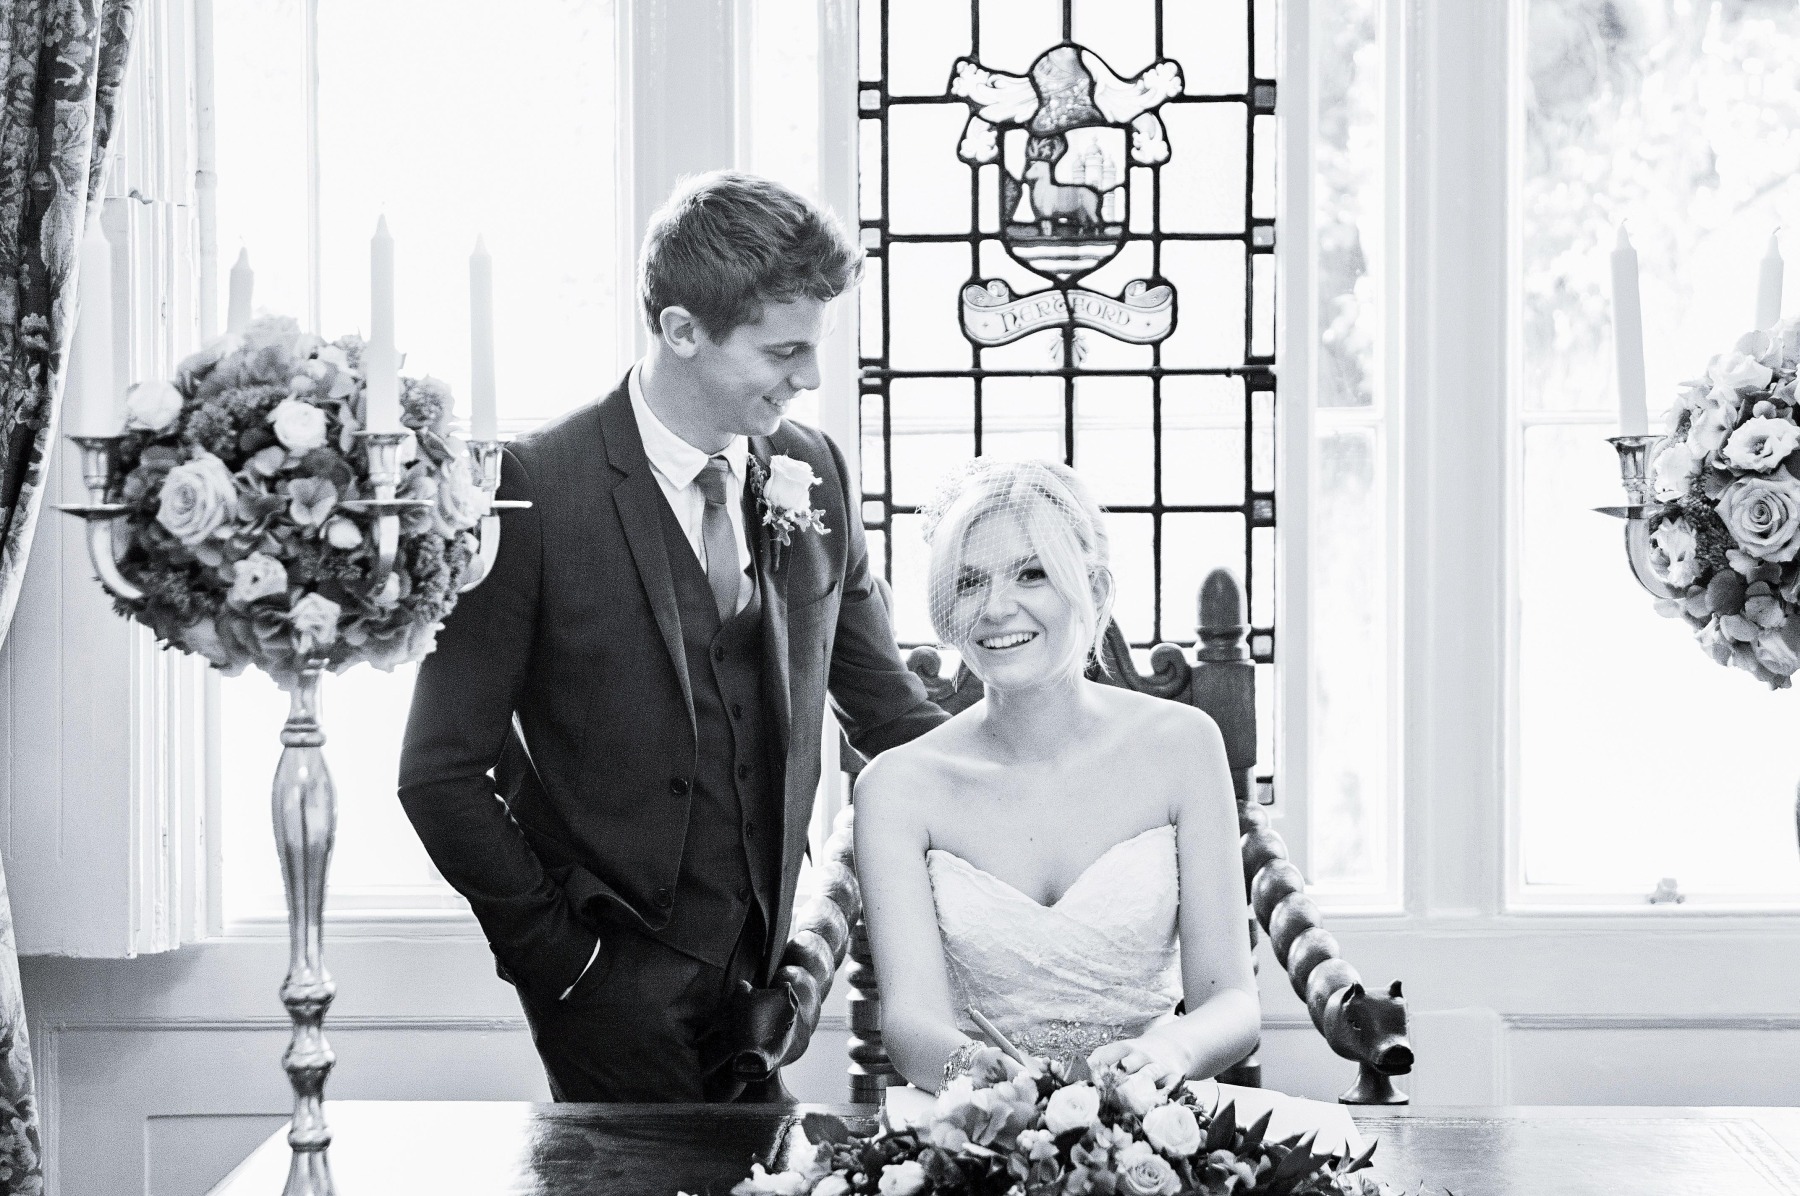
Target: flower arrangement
<point>1725,526</point>
<point>1003,1129</point>
<point>241,479</point>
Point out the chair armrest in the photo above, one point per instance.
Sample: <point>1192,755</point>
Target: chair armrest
<point>1369,1028</point>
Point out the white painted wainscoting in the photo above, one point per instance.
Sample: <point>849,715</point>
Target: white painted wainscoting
<point>160,1073</point>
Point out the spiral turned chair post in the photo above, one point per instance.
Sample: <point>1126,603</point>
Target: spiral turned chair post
<point>1367,1028</point>
<point>1225,687</point>
<point>870,1068</point>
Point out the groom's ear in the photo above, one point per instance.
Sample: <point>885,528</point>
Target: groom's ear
<point>680,330</point>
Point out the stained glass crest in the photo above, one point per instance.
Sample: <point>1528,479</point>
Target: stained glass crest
<point>1044,186</point>
<point>1063,134</point>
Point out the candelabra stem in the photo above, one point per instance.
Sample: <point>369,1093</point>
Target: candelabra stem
<point>304,805</point>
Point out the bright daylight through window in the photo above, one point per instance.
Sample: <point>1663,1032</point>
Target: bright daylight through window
<point>415,119</point>
<point>1353,804</point>
<point>1637,757</point>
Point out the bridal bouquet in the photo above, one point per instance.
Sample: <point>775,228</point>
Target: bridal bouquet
<point>242,478</point>
<point>1725,528</point>
<point>1036,1133</point>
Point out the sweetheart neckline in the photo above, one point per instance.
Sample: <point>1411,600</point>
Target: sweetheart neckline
<point>1073,885</point>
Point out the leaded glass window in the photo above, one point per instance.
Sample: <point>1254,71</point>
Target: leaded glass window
<point>1068,211</point>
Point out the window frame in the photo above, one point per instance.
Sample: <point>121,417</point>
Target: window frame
<point>1520,897</point>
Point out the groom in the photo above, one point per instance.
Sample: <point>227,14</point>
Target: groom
<point>644,672</point>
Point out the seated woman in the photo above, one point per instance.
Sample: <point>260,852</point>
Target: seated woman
<point>1061,857</point>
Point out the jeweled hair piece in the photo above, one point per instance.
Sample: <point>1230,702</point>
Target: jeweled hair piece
<point>978,504</point>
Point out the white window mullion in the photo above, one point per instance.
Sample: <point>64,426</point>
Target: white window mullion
<point>1297,286</point>
<point>1453,427</point>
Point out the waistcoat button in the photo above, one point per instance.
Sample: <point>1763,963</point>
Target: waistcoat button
<point>718,652</point>
<point>678,786</point>
<point>743,772</point>
<point>665,897</point>
<point>737,710</point>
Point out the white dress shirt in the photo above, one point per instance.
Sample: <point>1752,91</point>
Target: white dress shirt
<point>676,464</point>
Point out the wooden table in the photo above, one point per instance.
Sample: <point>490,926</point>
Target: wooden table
<point>478,1148</point>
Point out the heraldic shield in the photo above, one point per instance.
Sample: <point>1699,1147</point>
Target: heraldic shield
<point>1065,135</point>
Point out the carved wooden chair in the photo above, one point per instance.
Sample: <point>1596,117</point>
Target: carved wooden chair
<point>1367,1028</point>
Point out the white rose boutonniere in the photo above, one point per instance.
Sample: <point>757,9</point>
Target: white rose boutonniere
<point>784,496</point>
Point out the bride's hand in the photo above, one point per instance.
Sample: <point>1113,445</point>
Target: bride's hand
<point>995,1065</point>
<point>1166,1060</point>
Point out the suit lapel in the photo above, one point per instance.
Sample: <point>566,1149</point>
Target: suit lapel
<point>773,583</point>
<point>640,501</point>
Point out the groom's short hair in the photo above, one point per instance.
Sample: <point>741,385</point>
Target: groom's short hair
<point>727,241</point>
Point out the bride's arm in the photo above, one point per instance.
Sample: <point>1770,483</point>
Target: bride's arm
<point>917,1024</point>
<point>1218,982</point>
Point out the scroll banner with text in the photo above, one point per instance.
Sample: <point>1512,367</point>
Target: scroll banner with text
<point>992,315</point>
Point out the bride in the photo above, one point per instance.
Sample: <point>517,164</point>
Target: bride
<point>1061,857</point>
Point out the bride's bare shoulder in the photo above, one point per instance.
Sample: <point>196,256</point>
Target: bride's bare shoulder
<point>1160,725</point>
<point>908,776</point>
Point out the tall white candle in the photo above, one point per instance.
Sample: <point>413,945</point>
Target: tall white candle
<point>237,311</point>
<point>381,361</point>
<point>91,395</point>
<point>1768,285</point>
<point>484,421</point>
<point>1628,339</point>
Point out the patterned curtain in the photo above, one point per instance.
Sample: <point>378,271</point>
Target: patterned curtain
<point>61,65</point>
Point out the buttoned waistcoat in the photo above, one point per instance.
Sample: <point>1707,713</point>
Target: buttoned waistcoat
<point>572,649</point>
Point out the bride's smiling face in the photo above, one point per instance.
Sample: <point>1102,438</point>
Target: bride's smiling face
<point>1020,629</point>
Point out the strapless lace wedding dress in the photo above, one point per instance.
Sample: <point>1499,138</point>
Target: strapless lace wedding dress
<point>1102,964</point>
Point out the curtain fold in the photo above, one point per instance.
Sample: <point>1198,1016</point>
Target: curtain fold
<point>62,63</point>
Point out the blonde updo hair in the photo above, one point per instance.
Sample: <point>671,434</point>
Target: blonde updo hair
<point>1060,520</point>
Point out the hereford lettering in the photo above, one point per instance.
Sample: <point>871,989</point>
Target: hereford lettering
<point>991,315</point>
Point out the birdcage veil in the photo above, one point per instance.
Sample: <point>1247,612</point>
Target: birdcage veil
<point>985,510</point>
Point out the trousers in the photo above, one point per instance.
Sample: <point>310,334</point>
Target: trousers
<point>642,1025</point>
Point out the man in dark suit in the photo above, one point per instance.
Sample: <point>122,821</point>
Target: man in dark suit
<point>644,672</point>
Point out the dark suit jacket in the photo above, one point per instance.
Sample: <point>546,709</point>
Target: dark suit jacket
<point>574,635</point>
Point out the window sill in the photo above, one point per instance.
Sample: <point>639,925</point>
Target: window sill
<point>1562,920</point>
<point>361,924</point>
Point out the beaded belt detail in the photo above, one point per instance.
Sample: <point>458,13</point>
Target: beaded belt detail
<point>1066,1040</point>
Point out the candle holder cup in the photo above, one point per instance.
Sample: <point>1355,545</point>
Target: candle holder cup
<point>1635,452</point>
<point>99,468</point>
<point>484,468</point>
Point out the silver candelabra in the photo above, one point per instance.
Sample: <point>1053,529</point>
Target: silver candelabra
<point>1634,457</point>
<point>303,800</point>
